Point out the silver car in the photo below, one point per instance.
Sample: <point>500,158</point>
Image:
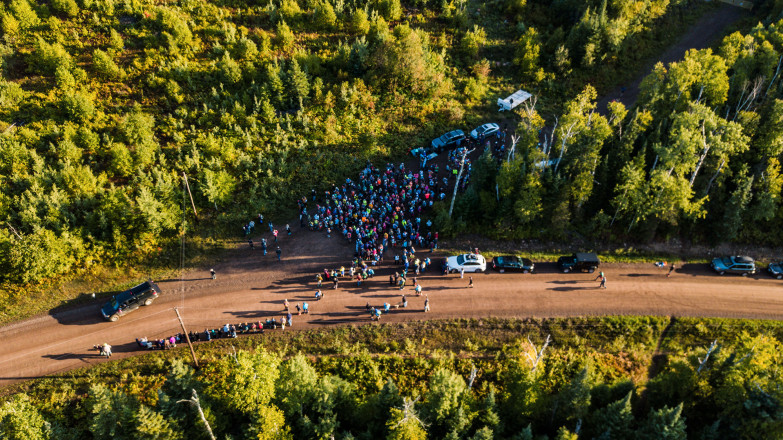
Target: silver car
<point>485,131</point>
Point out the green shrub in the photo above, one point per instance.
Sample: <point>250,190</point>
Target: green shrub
<point>11,27</point>
<point>77,106</point>
<point>245,49</point>
<point>290,10</point>
<point>24,14</point>
<point>284,38</point>
<point>69,8</point>
<point>11,94</point>
<point>229,70</point>
<point>36,256</point>
<point>324,15</point>
<point>390,9</point>
<point>105,66</point>
<point>115,40</point>
<point>359,22</point>
<point>472,42</point>
<point>47,58</point>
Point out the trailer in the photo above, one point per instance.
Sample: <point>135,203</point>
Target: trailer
<point>514,100</point>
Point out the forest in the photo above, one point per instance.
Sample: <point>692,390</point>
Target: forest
<point>589,378</point>
<point>104,104</point>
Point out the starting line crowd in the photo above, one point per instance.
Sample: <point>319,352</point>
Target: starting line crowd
<point>381,212</point>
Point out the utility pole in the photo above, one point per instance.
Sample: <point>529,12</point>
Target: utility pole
<point>459,176</point>
<point>187,186</point>
<point>187,337</point>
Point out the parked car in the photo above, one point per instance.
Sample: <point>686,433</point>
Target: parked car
<point>736,264</point>
<point>130,300</point>
<point>469,262</point>
<point>580,261</point>
<point>448,141</point>
<point>775,269</point>
<point>485,131</point>
<point>512,264</point>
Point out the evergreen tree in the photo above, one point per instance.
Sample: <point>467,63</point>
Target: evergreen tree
<point>664,424</point>
<point>298,84</point>
<point>19,419</point>
<point>615,421</point>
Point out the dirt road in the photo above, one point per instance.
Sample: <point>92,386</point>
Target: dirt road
<point>251,287</point>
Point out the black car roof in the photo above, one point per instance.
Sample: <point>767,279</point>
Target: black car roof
<point>743,259</point>
<point>586,256</point>
<point>141,288</point>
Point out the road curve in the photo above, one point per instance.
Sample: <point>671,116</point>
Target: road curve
<point>251,286</point>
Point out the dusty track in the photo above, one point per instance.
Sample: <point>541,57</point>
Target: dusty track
<point>252,287</point>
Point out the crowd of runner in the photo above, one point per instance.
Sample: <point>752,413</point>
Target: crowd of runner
<point>381,213</point>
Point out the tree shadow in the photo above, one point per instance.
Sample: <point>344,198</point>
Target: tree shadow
<point>569,289</point>
<point>572,281</point>
<point>69,356</point>
<point>255,314</point>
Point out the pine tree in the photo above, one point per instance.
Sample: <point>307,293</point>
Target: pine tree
<point>19,419</point>
<point>298,84</point>
<point>151,425</point>
<point>736,207</point>
<point>444,403</point>
<point>404,424</point>
<point>664,424</point>
<point>573,401</point>
<point>113,413</point>
<point>614,421</point>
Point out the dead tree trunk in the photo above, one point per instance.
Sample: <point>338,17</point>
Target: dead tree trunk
<point>459,176</point>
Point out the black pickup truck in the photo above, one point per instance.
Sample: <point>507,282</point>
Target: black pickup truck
<point>580,261</point>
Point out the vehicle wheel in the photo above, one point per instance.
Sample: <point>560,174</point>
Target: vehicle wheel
<point>479,270</point>
<point>525,271</point>
<point>591,270</point>
<point>148,302</point>
<point>503,270</point>
<point>780,277</point>
<point>745,274</point>
<point>723,272</point>
<point>114,318</point>
<point>566,270</point>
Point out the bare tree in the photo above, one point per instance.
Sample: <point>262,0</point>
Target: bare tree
<point>529,110</point>
<point>703,362</point>
<point>753,92</point>
<point>195,402</point>
<point>512,150</point>
<point>539,354</point>
<point>409,412</point>
<point>472,377</point>
<point>775,76</point>
<point>459,176</point>
<point>565,136</point>
<point>705,150</point>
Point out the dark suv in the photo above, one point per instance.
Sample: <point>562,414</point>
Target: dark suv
<point>734,264</point>
<point>130,300</point>
<point>512,264</point>
<point>448,141</point>
<point>775,269</point>
<point>580,261</point>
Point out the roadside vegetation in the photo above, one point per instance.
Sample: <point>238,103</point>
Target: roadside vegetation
<point>609,378</point>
